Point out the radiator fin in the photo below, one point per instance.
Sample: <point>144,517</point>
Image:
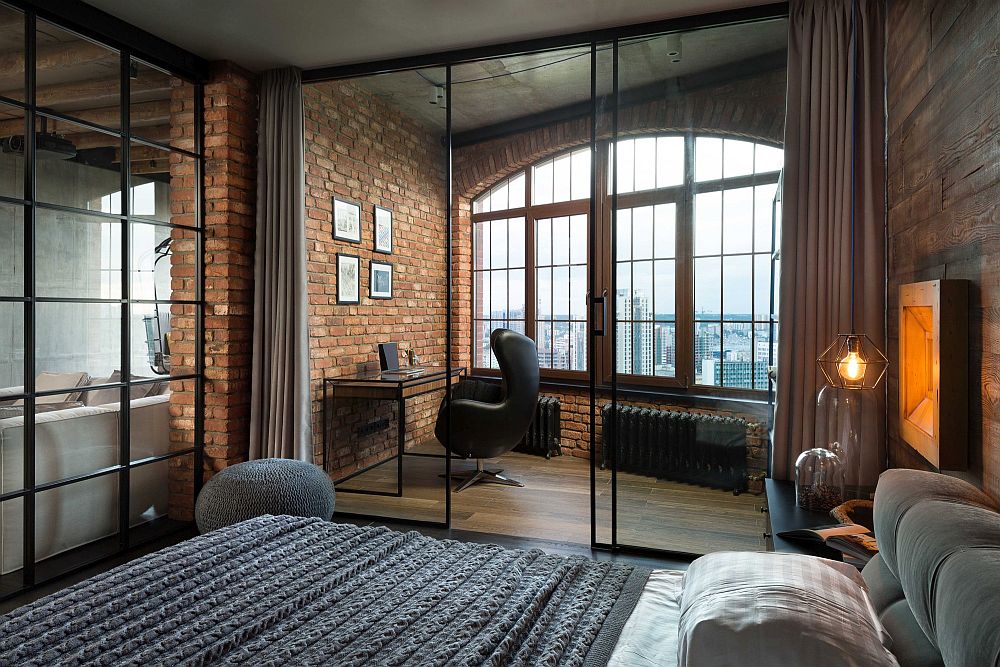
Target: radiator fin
<point>709,450</point>
<point>542,438</point>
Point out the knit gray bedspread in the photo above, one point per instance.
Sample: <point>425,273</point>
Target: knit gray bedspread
<point>290,591</point>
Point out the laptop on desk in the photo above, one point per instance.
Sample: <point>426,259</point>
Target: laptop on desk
<point>388,357</point>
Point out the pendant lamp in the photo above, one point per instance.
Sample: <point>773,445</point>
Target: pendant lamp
<point>848,417</point>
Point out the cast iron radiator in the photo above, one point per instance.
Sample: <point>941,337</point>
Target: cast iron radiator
<point>699,449</point>
<point>542,437</point>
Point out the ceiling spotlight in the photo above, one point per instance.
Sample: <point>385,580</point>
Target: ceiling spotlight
<point>436,95</point>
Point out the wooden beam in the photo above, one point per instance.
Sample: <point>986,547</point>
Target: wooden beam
<point>61,55</point>
<point>95,93</point>
<point>85,140</point>
<point>143,114</point>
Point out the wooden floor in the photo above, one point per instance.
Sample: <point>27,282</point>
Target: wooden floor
<point>555,504</point>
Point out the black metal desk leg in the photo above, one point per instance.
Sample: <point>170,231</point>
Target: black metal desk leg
<point>401,435</point>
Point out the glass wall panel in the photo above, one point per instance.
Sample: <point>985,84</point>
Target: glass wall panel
<point>76,515</point>
<point>161,106</point>
<point>11,250</point>
<point>74,304</point>
<point>78,433</point>
<point>77,256</point>
<point>382,452</point>
<point>11,351</point>
<point>12,133</point>
<point>73,339</point>
<point>11,545</point>
<point>77,77</point>
<point>68,174</point>
<point>686,243</point>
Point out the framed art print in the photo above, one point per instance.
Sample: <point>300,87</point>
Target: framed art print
<point>380,285</point>
<point>346,221</point>
<point>383,230</point>
<point>348,278</point>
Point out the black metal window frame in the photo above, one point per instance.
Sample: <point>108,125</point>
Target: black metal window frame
<point>95,26</point>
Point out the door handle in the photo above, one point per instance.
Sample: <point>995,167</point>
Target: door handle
<point>602,301</point>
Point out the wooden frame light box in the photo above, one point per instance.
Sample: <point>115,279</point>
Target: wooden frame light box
<point>933,373</point>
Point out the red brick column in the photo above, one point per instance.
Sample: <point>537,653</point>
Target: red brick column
<point>230,196</point>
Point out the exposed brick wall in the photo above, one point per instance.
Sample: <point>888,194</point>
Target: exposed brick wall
<point>742,108</point>
<point>230,194</point>
<point>361,149</point>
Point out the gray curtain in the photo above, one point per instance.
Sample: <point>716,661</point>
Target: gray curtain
<point>815,301</point>
<point>280,408</point>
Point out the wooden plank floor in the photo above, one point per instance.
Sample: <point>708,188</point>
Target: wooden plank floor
<point>555,504</point>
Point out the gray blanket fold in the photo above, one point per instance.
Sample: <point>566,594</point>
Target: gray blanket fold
<point>290,591</point>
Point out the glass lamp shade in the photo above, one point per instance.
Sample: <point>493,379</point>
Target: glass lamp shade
<point>848,423</point>
<point>819,480</point>
<point>853,361</point>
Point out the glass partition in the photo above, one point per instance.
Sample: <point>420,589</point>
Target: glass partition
<point>376,164</point>
<point>95,290</point>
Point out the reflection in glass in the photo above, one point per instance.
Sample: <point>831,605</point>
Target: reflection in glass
<point>156,250</point>
<point>11,350</point>
<point>91,181</point>
<point>12,128</point>
<point>78,431</point>
<point>12,542</point>
<point>149,331</point>
<point>77,255</point>
<point>67,64</point>
<point>163,186</point>
<point>12,41</point>
<point>11,250</point>
<point>78,337</point>
<point>71,516</point>
<point>161,106</point>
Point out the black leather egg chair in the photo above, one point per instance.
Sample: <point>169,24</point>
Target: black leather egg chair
<point>488,420</point>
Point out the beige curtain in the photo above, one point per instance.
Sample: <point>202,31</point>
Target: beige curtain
<point>815,301</point>
<point>280,408</point>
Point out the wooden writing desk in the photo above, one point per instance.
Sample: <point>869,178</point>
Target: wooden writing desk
<point>377,386</point>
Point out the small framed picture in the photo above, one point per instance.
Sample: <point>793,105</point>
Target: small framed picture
<point>348,278</point>
<point>346,221</point>
<point>383,230</point>
<point>380,286</point>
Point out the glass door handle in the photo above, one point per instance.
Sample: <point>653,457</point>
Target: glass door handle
<point>601,301</point>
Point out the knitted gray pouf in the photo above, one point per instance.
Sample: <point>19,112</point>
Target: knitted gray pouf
<point>266,486</point>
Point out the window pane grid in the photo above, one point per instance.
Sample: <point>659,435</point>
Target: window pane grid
<point>733,232</point>
<point>499,280</point>
<point>561,292</point>
<point>646,290</point>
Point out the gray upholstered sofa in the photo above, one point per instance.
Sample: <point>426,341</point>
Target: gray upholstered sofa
<point>936,580</point>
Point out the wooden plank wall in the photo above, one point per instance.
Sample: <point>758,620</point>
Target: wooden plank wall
<point>943,64</point>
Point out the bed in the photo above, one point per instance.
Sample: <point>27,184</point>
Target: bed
<point>292,591</point>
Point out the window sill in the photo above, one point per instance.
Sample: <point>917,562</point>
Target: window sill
<point>757,407</point>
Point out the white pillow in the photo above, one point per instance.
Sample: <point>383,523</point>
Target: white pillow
<point>744,608</point>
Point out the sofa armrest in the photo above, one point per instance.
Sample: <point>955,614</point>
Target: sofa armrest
<point>8,395</point>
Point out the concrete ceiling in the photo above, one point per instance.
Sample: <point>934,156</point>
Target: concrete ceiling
<point>261,34</point>
<point>494,91</point>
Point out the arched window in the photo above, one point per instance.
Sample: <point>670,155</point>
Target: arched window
<point>686,263</point>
